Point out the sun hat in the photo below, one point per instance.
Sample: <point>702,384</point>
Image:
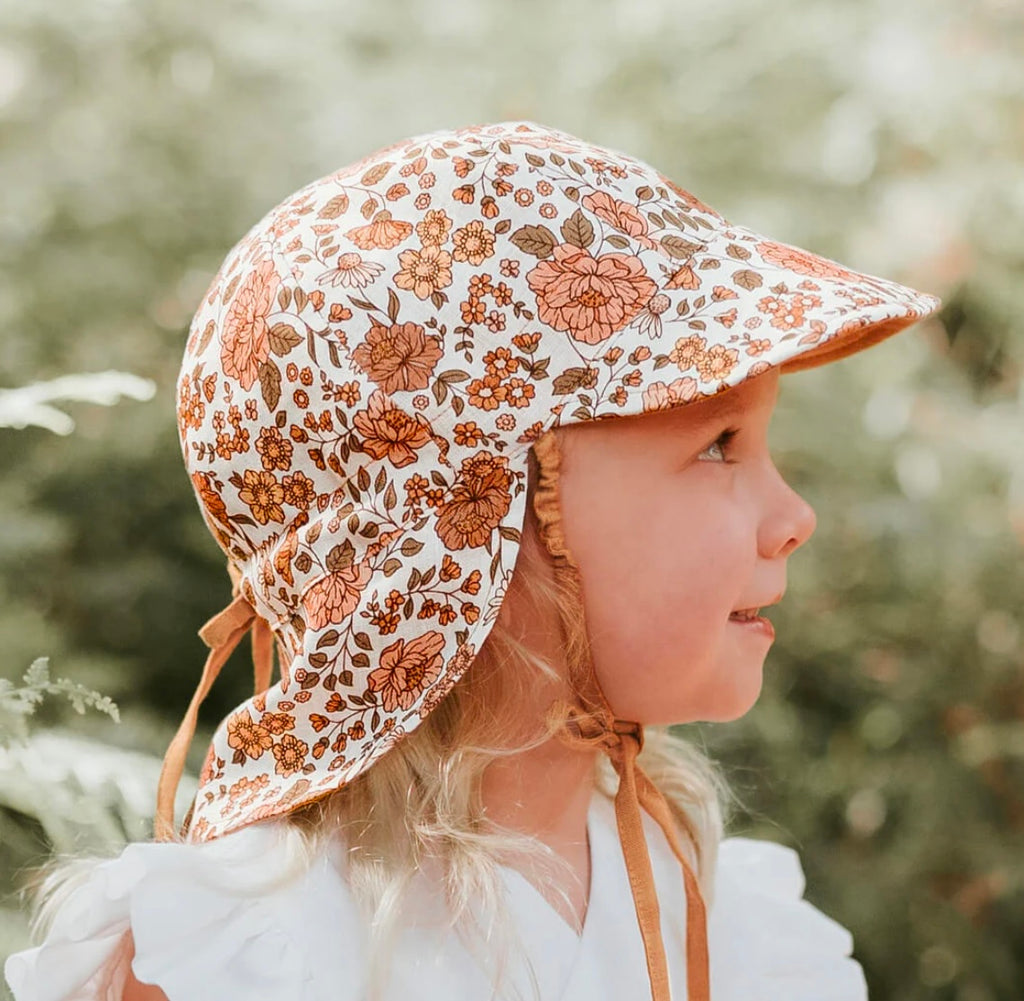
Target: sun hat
<point>363,384</point>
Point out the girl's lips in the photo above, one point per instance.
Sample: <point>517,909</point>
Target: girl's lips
<point>758,624</point>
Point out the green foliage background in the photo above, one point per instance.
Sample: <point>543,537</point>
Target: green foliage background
<point>139,140</point>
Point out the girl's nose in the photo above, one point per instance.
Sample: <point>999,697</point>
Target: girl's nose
<point>789,523</point>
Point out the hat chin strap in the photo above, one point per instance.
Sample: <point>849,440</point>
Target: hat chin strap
<point>590,722</point>
<point>221,634</point>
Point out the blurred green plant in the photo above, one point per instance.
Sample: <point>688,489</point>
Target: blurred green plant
<point>17,702</point>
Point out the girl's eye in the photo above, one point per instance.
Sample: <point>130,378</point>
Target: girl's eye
<point>720,445</point>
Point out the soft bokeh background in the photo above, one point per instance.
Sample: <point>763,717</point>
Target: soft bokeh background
<point>140,138</point>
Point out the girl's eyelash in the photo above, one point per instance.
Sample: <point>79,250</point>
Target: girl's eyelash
<point>725,440</point>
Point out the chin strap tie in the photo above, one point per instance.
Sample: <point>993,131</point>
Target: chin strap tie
<point>222,633</point>
<point>592,724</point>
<point>622,741</point>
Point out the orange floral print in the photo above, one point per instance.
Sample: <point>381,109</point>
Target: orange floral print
<point>299,490</point>
<point>388,431</point>
<point>800,261</point>
<point>622,215</point>
<point>434,228</point>
<point>473,243</point>
<point>245,344</point>
<point>275,451</point>
<point>406,669</point>
<point>589,297</point>
<point>425,271</point>
<point>688,351</point>
<point>262,494</point>
<point>382,233</point>
<point>351,271</point>
<point>290,754</point>
<point>479,500</point>
<point>211,499</point>
<point>486,393</point>
<point>717,362</point>
<point>247,736</point>
<point>399,357</point>
<point>333,598</point>
<point>659,396</point>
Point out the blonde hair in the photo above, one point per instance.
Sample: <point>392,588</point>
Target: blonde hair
<point>420,805</point>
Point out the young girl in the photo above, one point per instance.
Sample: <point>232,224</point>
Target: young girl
<point>488,600</point>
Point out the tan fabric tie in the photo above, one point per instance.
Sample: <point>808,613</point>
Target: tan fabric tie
<point>593,724</point>
<point>222,633</point>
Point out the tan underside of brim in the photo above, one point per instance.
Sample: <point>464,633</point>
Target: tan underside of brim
<point>857,340</point>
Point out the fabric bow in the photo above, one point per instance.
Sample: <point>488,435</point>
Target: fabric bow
<point>222,633</point>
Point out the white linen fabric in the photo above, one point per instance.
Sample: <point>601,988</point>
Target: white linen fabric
<point>203,930</point>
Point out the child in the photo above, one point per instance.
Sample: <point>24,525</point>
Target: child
<point>394,393</point>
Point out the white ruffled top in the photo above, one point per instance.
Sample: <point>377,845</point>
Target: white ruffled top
<point>201,932</point>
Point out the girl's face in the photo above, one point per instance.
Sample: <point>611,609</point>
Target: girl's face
<point>677,519</point>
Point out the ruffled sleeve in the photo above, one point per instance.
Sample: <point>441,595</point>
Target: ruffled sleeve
<point>766,941</point>
<point>212,920</point>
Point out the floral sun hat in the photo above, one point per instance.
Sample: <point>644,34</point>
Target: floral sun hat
<point>363,382</point>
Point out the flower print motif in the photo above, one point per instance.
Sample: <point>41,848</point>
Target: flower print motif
<point>501,362</point>
<point>433,230</point>
<point>246,736</point>
<point>425,271</point>
<point>469,434</point>
<point>285,554</point>
<point>382,232</point>
<point>757,346</point>
<point>262,494</point>
<point>787,316</point>
<point>622,215</point>
<point>245,790</point>
<point>278,723</point>
<point>685,277</point>
<point>407,668</point>
<point>800,261</point>
<point>486,393</point>
<point>659,396</point>
<point>290,753</point>
<point>245,340</point>
<point>398,357</point>
<point>479,500</point>
<point>648,320</point>
<point>518,392</point>
<point>210,497</point>
<point>589,297</point>
<point>275,451</point>
<point>299,490</point>
<point>473,243</point>
<point>389,431</point>
<point>450,570</point>
<point>351,271</point>
<point>688,351</point>
<point>333,598</point>
<point>455,669</point>
<point>717,362</point>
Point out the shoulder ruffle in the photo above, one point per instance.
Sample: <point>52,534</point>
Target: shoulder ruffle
<point>766,941</point>
<point>219,919</point>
